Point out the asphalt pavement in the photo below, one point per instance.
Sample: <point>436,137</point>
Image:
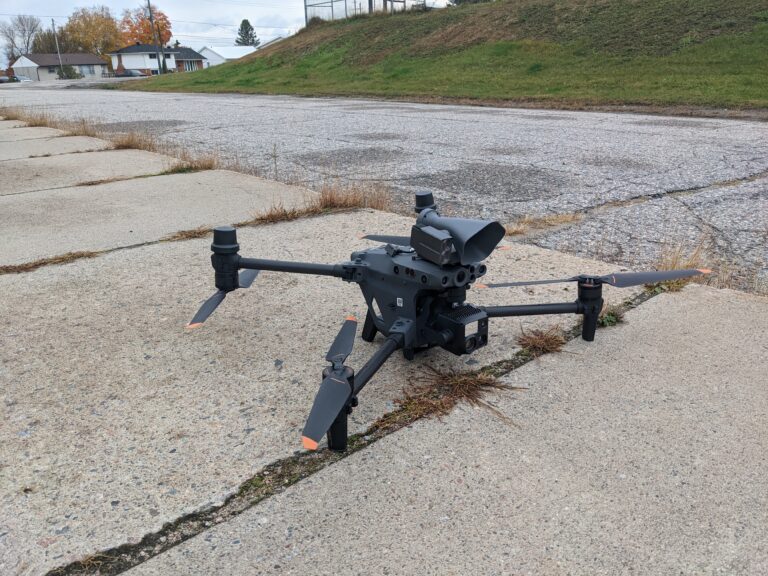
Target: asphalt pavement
<point>503,163</point>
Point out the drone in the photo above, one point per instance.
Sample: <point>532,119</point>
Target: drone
<point>415,289</point>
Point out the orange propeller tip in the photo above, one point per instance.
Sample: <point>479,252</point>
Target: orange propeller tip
<point>308,443</point>
<point>191,326</point>
<point>478,285</point>
<point>351,317</point>
<point>704,270</point>
<point>504,247</point>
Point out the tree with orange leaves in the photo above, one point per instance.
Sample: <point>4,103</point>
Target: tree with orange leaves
<point>93,30</point>
<point>135,26</point>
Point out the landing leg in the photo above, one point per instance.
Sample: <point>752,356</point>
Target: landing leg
<point>369,328</point>
<point>337,433</point>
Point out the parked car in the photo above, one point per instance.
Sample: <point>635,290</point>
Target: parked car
<point>23,78</point>
<point>130,74</point>
<point>4,79</point>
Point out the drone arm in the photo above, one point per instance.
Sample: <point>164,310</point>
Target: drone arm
<point>589,303</point>
<point>335,270</point>
<point>391,345</point>
<point>532,309</point>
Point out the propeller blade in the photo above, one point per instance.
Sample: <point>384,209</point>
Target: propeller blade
<point>345,340</point>
<point>396,240</point>
<point>207,309</point>
<point>627,279</point>
<point>331,399</point>
<point>525,283</point>
<point>247,277</point>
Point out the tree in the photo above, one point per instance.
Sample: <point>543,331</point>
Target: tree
<point>135,26</point>
<point>18,35</point>
<point>246,36</point>
<point>93,30</point>
<point>45,42</point>
<point>68,72</point>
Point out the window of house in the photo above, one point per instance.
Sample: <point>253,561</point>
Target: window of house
<point>91,70</point>
<point>153,56</point>
<point>51,69</point>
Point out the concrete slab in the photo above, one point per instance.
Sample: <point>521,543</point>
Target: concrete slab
<point>6,124</point>
<point>643,453</point>
<point>50,147</point>
<point>131,212</point>
<point>32,174</point>
<point>117,420</point>
<point>20,134</point>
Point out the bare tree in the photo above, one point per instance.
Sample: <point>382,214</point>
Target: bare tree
<point>18,35</point>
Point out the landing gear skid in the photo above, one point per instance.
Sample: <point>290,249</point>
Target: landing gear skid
<point>369,328</point>
<point>337,433</point>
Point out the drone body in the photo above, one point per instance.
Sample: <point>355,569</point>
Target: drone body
<point>415,289</point>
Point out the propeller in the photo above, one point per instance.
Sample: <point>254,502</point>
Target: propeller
<point>618,279</point>
<point>396,240</point>
<point>335,389</point>
<point>245,280</point>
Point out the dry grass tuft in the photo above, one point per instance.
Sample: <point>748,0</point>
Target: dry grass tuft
<point>81,127</point>
<point>529,223</point>
<point>199,232</point>
<point>193,163</point>
<point>345,197</point>
<point>35,264</point>
<point>439,394</point>
<point>676,257</point>
<point>330,199</point>
<point>539,342</point>
<point>134,141</point>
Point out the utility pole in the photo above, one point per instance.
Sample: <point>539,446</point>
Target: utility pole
<point>306,19</point>
<point>56,38</point>
<point>154,35</point>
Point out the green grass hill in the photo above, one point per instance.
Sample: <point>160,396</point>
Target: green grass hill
<point>658,52</point>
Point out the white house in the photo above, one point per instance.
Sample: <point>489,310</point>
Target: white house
<point>143,58</point>
<point>220,54</point>
<point>46,66</point>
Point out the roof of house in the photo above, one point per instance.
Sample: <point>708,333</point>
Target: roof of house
<point>231,52</point>
<point>180,53</point>
<point>144,49</point>
<point>185,53</point>
<point>66,59</point>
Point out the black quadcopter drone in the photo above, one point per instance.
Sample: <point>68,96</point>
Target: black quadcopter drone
<point>415,289</point>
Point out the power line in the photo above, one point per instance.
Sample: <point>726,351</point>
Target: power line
<point>230,25</point>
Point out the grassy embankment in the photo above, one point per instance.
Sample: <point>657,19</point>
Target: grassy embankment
<point>658,52</point>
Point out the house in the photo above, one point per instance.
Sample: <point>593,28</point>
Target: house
<point>46,66</point>
<point>143,58</point>
<point>188,60</point>
<point>220,54</point>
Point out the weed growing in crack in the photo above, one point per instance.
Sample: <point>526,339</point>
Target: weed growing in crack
<point>538,342</point>
<point>610,315</point>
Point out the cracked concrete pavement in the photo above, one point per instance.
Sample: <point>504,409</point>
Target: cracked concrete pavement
<point>643,453</point>
<point>491,162</point>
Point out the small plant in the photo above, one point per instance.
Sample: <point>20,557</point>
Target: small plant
<point>539,342</point>
<point>610,316</point>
